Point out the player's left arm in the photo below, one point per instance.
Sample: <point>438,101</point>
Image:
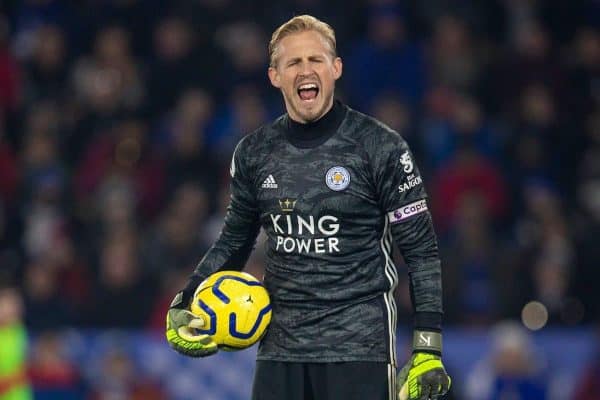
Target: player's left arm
<point>424,375</point>
<point>403,198</point>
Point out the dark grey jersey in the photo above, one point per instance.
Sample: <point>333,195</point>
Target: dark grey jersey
<point>329,213</point>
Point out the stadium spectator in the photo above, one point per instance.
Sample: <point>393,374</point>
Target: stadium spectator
<point>53,375</point>
<point>174,243</point>
<point>513,368</point>
<point>14,383</point>
<point>182,58</point>
<point>47,70</point>
<point>123,153</point>
<point>122,290</point>
<point>182,140</point>
<point>587,386</point>
<point>10,73</point>
<point>468,172</point>
<point>46,307</point>
<point>9,171</point>
<point>454,62</point>
<point>386,60</point>
<point>117,377</point>
<point>244,111</point>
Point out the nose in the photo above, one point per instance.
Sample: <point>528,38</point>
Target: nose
<point>306,68</point>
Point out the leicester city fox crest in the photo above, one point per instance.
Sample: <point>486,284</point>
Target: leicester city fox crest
<point>337,178</point>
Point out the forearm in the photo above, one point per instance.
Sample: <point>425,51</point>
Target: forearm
<point>417,242</point>
<point>232,248</point>
<point>424,375</point>
<point>230,251</point>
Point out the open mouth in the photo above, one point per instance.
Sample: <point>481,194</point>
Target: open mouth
<point>308,91</point>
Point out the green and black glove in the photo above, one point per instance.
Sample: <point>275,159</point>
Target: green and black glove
<point>181,330</point>
<point>424,376</point>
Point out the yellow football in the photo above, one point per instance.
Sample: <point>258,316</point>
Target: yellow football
<point>235,307</point>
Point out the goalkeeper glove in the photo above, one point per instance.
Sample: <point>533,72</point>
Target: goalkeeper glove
<point>424,376</point>
<point>180,331</point>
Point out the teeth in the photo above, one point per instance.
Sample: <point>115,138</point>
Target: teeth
<point>307,86</point>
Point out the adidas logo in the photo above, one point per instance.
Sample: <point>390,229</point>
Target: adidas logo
<point>269,183</point>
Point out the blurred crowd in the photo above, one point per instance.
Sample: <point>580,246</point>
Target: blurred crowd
<point>118,119</point>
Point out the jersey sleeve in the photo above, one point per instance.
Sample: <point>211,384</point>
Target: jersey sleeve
<point>403,199</point>
<point>397,177</point>
<point>241,226</point>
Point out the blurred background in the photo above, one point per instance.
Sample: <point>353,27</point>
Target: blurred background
<point>117,123</point>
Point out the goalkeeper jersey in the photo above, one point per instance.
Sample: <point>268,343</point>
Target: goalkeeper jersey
<point>331,196</point>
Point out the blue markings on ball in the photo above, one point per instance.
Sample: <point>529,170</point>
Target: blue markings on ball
<point>232,316</point>
<point>241,335</point>
<point>213,319</point>
<point>222,296</point>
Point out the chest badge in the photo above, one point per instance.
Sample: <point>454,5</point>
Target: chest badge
<point>337,178</point>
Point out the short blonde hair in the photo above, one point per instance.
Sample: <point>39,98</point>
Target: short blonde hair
<point>299,24</point>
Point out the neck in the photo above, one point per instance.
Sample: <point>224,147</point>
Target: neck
<point>312,133</point>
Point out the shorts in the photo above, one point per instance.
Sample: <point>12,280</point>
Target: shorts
<point>276,380</point>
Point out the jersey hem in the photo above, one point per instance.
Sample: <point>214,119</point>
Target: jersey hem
<point>320,359</point>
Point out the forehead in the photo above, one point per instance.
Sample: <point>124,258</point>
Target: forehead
<point>304,43</point>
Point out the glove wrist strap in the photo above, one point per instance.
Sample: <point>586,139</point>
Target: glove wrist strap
<point>178,301</point>
<point>184,297</point>
<point>427,341</point>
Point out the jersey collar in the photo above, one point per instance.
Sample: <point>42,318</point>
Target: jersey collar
<point>313,134</point>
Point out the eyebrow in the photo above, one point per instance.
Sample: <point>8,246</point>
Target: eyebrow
<point>310,58</point>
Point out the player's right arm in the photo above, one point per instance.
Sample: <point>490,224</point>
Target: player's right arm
<point>230,251</point>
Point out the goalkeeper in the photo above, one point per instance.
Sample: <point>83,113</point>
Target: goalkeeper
<point>331,188</point>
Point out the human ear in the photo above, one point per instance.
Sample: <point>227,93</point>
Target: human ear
<point>274,77</point>
<point>337,68</point>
